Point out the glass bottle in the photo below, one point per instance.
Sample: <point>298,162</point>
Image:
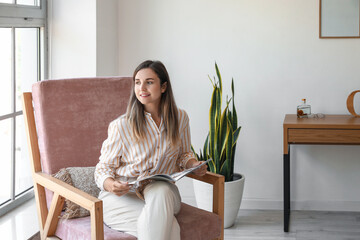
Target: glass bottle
<point>303,110</point>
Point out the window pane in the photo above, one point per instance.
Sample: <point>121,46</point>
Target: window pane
<point>23,178</point>
<point>28,2</point>
<point>41,54</point>
<point>5,169</point>
<point>5,71</point>
<point>6,1</point>
<point>26,55</point>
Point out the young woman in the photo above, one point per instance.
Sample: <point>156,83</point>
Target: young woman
<point>152,137</point>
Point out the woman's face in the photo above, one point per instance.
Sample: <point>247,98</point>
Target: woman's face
<point>148,89</point>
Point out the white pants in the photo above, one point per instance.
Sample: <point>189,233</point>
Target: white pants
<point>147,220</point>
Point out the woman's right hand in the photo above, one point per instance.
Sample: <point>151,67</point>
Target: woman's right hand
<point>117,187</point>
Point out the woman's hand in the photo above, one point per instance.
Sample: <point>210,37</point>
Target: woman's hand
<point>117,187</point>
<point>193,163</point>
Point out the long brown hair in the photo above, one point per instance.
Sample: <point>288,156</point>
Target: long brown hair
<point>168,110</point>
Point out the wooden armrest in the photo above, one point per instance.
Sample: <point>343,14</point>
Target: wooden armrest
<point>209,177</point>
<point>65,190</point>
<point>218,182</point>
<point>61,191</point>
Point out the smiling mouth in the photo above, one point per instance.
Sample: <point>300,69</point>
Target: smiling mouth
<point>144,95</point>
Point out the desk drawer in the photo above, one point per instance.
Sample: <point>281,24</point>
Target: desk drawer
<point>324,136</point>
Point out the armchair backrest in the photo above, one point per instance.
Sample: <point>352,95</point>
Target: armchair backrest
<point>76,114</point>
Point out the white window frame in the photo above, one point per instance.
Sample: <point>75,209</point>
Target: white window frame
<point>22,16</point>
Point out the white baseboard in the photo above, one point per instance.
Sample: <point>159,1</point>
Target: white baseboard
<point>352,206</point>
<point>346,206</point>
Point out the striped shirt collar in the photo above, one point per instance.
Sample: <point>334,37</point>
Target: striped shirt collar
<point>151,120</point>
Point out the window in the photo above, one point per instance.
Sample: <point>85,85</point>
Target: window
<point>22,63</point>
<point>22,2</point>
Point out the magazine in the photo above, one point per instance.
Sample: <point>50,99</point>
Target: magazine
<point>170,177</point>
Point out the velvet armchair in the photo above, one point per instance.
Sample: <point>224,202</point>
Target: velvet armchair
<point>66,122</point>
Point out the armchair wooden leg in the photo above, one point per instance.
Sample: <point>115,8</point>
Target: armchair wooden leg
<point>41,205</point>
<point>97,224</point>
<point>53,216</point>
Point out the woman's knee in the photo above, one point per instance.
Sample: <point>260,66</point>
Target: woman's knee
<point>163,194</point>
<point>163,190</point>
<point>159,188</point>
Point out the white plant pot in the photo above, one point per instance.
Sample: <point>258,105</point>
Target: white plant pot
<point>232,197</point>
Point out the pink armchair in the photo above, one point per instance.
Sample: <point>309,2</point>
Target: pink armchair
<point>66,122</point>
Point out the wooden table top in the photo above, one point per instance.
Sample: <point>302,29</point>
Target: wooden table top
<point>329,121</point>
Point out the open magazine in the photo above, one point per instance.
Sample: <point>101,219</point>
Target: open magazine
<point>170,177</point>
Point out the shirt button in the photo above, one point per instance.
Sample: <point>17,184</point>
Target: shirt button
<point>158,147</point>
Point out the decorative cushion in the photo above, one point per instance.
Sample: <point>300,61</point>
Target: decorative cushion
<point>83,179</point>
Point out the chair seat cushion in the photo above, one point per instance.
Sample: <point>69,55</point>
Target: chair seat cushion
<point>79,228</point>
<point>199,225</point>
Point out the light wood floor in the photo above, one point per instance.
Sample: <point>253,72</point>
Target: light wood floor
<point>304,225</point>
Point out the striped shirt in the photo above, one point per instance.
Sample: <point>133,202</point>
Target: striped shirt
<point>123,157</point>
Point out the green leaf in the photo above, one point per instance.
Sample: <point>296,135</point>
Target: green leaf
<point>212,167</point>
<point>223,149</point>
<point>212,123</point>
<point>212,82</point>
<point>223,131</point>
<point>192,149</point>
<point>232,87</point>
<point>219,76</point>
<point>235,138</point>
<point>225,170</point>
<point>234,119</point>
<point>218,106</point>
<point>229,140</point>
<point>206,145</point>
<point>236,135</point>
<point>217,147</point>
<point>196,155</point>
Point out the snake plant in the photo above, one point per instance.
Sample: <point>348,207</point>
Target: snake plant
<point>220,143</point>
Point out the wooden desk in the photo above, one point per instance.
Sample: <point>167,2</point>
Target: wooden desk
<point>332,129</point>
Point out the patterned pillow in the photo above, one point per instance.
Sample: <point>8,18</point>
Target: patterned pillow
<point>83,179</point>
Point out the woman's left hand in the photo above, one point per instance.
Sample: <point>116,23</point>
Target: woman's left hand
<point>200,171</point>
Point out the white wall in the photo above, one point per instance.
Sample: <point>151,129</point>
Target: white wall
<point>83,38</point>
<point>107,42</point>
<point>72,42</point>
<point>273,51</point>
